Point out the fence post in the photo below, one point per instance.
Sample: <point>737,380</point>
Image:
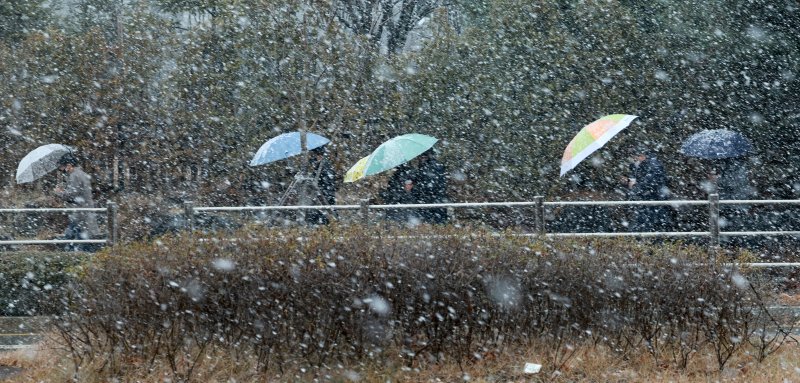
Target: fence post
<point>111,221</point>
<point>713,221</point>
<point>539,215</point>
<point>364,209</point>
<point>188,210</point>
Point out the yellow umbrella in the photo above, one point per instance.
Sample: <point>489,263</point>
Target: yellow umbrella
<point>357,171</point>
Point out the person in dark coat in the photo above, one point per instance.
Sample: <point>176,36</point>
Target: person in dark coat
<point>430,186</point>
<point>421,181</point>
<point>730,179</point>
<point>647,182</point>
<point>734,180</point>
<point>399,191</point>
<point>323,186</point>
<point>77,193</point>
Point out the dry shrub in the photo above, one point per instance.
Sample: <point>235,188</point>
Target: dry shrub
<point>146,215</point>
<point>344,296</point>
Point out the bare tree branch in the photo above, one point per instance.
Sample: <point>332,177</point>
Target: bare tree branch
<point>376,19</point>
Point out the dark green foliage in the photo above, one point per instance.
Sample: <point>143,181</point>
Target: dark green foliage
<point>21,17</point>
<point>196,7</point>
<point>504,83</point>
<point>31,283</point>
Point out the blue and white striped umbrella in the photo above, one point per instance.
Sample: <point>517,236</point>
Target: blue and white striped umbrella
<point>284,146</point>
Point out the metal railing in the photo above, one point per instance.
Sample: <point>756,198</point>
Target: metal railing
<point>112,225</point>
<point>365,212</point>
<point>539,205</point>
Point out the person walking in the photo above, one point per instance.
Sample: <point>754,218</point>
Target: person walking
<point>77,193</point>
<point>430,186</point>
<point>399,190</point>
<point>732,182</point>
<point>421,181</point>
<point>647,182</point>
<point>321,189</point>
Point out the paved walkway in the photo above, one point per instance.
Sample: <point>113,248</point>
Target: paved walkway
<point>18,333</point>
<point>7,372</point>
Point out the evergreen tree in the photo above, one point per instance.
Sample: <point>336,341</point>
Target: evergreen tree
<point>21,17</point>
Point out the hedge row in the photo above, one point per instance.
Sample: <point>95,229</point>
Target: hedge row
<point>336,295</point>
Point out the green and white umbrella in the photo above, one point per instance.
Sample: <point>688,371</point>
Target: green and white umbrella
<point>390,154</point>
<point>593,137</point>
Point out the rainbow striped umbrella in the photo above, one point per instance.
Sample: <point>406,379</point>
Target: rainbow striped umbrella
<point>593,137</point>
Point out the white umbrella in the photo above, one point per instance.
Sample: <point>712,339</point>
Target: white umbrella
<point>40,161</point>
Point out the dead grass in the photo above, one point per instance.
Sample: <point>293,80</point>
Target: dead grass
<point>589,363</point>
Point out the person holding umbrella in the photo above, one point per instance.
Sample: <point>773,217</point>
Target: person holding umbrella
<point>724,150</point>
<point>77,193</point>
<point>315,183</point>
<point>418,177</point>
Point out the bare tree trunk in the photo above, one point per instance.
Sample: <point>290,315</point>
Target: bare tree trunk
<point>127,171</point>
<point>188,175</point>
<point>115,173</point>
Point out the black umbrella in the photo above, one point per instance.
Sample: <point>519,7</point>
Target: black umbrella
<point>717,144</point>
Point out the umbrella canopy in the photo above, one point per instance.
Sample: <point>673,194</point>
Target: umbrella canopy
<point>716,144</point>
<point>593,137</point>
<point>40,161</point>
<point>389,154</point>
<point>357,171</point>
<point>284,146</point>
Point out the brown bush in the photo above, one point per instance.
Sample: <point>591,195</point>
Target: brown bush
<point>346,295</point>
